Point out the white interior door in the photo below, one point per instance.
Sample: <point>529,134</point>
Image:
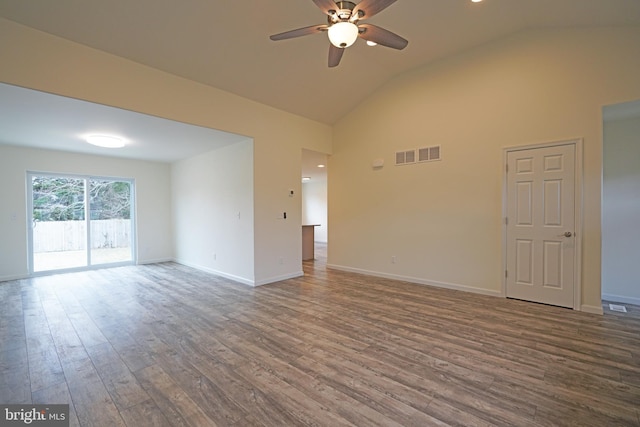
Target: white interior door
<point>540,234</point>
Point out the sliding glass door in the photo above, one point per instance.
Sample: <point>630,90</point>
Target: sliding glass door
<point>79,222</point>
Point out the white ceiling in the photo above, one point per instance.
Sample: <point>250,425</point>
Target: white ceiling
<point>37,119</point>
<point>225,44</point>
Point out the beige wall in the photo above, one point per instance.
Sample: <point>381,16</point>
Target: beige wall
<point>153,201</point>
<point>621,211</point>
<point>443,220</point>
<point>40,61</point>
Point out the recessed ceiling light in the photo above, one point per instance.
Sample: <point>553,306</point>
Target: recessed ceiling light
<point>476,1</point>
<point>320,166</point>
<point>306,178</point>
<point>106,141</point>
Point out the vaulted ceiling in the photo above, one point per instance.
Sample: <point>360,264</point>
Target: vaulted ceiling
<point>225,43</point>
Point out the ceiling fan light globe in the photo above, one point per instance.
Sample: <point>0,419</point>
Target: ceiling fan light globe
<point>343,34</point>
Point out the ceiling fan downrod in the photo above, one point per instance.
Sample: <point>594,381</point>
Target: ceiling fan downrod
<point>344,12</point>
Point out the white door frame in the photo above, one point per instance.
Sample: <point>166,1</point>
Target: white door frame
<point>577,143</point>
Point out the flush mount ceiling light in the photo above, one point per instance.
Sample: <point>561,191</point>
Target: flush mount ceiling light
<point>106,141</point>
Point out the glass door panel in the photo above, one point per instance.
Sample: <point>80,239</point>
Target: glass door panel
<point>59,231</point>
<point>110,221</point>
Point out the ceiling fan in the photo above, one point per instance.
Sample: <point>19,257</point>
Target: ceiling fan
<point>344,27</point>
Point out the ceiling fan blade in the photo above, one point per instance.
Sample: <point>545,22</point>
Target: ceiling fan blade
<point>299,32</point>
<point>381,36</point>
<point>335,55</point>
<point>368,8</point>
<point>326,5</point>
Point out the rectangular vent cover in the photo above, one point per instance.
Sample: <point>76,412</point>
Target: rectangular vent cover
<point>616,307</point>
<point>429,154</point>
<point>405,157</point>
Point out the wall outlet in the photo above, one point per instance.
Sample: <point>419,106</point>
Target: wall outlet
<point>215,256</point>
<point>281,260</point>
<point>393,259</point>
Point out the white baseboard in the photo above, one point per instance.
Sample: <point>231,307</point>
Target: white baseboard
<point>592,309</point>
<point>235,278</point>
<point>453,286</point>
<point>279,278</point>
<point>242,280</point>
<point>154,261</point>
<point>11,278</point>
<point>620,298</point>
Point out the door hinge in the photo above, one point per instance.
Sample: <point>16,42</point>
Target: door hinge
<point>506,220</point>
<point>506,168</point>
<point>505,273</point>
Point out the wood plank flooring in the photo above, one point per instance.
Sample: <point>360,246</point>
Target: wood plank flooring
<point>166,345</point>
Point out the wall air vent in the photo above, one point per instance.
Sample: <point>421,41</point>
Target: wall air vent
<point>405,157</point>
<point>429,154</point>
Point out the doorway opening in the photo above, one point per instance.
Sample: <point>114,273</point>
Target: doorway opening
<point>620,203</point>
<point>78,222</point>
<point>314,203</point>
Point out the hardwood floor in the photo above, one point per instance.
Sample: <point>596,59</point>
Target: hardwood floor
<point>168,345</point>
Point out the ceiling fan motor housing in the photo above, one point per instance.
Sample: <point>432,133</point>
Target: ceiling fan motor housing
<point>345,9</point>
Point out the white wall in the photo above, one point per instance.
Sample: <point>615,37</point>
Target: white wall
<point>153,201</point>
<point>442,220</point>
<point>213,211</point>
<point>40,61</point>
<point>621,211</point>
<point>314,208</point>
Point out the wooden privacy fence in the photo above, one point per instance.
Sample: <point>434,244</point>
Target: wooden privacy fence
<point>57,236</point>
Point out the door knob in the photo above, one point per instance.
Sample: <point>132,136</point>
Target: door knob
<point>567,234</point>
